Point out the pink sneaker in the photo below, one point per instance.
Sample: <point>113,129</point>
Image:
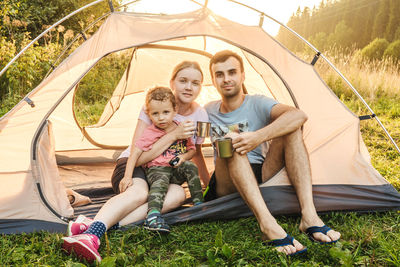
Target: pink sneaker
<point>80,225</point>
<point>84,246</point>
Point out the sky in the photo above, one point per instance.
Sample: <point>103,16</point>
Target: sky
<point>280,10</point>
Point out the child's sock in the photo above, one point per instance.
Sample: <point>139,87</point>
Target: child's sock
<point>115,226</point>
<point>97,228</point>
<point>152,211</point>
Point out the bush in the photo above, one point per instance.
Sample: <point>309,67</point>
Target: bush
<point>375,49</point>
<point>393,51</point>
<point>30,68</point>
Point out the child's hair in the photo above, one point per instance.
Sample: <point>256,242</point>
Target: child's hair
<point>186,64</point>
<point>160,93</point>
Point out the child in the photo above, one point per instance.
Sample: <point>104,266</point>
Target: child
<point>171,166</point>
<point>130,202</point>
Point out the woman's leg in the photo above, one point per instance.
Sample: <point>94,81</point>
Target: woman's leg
<point>174,199</point>
<point>123,204</point>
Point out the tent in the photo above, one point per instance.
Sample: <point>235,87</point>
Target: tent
<point>40,133</point>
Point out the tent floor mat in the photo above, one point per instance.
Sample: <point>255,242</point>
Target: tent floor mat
<point>98,175</point>
<point>99,196</point>
<point>94,180</point>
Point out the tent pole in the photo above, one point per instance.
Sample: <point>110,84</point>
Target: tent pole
<point>332,66</point>
<point>82,33</point>
<point>345,79</point>
<point>362,100</point>
<point>47,30</point>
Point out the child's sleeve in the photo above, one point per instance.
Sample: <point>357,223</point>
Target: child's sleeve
<point>148,138</point>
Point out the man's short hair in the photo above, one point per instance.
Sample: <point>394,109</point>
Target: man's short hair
<point>223,56</point>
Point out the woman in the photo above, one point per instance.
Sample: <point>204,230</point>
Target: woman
<point>130,205</point>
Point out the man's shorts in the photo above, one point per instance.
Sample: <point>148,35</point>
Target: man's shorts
<point>211,191</point>
<point>119,173</point>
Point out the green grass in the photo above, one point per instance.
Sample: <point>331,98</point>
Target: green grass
<point>368,239</point>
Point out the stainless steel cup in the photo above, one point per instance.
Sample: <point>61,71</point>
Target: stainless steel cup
<point>224,147</point>
<point>203,129</point>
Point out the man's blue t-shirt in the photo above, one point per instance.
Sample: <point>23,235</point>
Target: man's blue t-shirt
<point>253,114</point>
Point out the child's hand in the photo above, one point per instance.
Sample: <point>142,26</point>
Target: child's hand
<point>125,183</point>
<point>175,162</point>
<point>181,161</point>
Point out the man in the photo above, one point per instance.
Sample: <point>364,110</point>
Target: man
<point>251,122</point>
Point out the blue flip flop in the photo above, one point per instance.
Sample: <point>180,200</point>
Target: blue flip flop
<point>288,240</point>
<point>318,229</point>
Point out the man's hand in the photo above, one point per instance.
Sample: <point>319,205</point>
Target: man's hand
<point>244,142</point>
<point>125,183</point>
<point>184,130</point>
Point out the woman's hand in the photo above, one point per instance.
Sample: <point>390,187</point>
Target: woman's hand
<point>125,183</point>
<point>184,130</point>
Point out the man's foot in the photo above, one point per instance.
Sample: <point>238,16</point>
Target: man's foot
<point>317,231</point>
<point>286,244</point>
<point>80,225</point>
<point>84,246</point>
<point>155,222</point>
<point>287,241</point>
<point>310,231</point>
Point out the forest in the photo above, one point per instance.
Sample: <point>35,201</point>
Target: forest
<point>370,25</point>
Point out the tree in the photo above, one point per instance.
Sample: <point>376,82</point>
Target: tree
<point>342,37</point>
<point>394,20</point>
<point>320,41</point>
<point>33,16</point>
<point>397,34</point>
<point>381,20</point>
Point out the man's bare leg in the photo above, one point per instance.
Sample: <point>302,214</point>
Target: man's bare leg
<point>236,174</point>
<point>291,150</point>
<point>299,173</point>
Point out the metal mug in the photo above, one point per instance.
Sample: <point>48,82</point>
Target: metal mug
<point>203,129</point>
<point>224,147</point>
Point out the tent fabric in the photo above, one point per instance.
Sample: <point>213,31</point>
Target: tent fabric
<point>17,226</point>
<point>34,138</point>
<point>326,197</point>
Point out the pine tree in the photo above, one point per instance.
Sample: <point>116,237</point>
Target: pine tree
<point>381,20</point>
<point>394,20</point>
